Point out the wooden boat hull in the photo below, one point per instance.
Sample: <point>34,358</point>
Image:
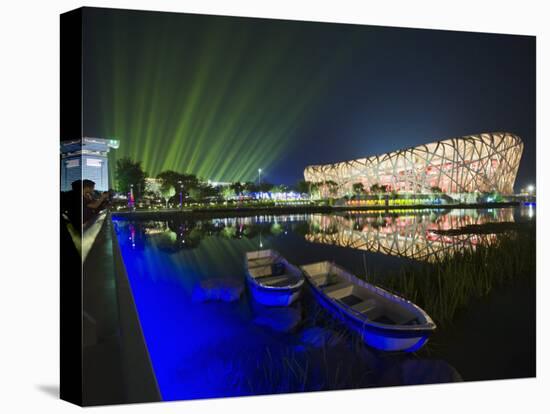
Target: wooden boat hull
<point>384,320</point>
<point>382,339</point>
<point>274,295</point>
<point>271,297</point>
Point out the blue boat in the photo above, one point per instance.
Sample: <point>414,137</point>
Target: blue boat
<point>272,279</point>
<point>385,321</point>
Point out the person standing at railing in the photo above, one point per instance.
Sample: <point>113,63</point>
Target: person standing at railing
<point>82,203</point>
<point>91,204</point>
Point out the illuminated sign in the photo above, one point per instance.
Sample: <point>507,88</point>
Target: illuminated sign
<point>72,163</point>
<point>93,162</point>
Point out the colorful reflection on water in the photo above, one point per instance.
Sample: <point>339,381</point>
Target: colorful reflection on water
<point>216,349</point>
<point>412,236</point>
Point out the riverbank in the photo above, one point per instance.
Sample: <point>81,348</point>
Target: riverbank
<point>307,209</point>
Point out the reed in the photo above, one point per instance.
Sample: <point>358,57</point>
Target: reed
<point>445,287</point>
<point>310,369</point>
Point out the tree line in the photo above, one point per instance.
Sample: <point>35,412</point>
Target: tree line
<point>130,174</point>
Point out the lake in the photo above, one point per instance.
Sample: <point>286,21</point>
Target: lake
<point>216,349</point>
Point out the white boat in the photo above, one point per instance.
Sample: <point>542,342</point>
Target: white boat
<point>272,279</point>
<point>385,321</point>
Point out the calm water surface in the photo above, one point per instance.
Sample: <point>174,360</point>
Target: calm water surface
<point>216,349</point>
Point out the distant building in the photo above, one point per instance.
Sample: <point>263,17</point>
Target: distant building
<point>474,163</point>
<point>86,158</point>
<point>153,185</point>
<point>219,183</point>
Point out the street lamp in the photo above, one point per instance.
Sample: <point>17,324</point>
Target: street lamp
<point>259,180</point>
<point>181,194</point>
<point>259,177</point>
<point>530,188</point>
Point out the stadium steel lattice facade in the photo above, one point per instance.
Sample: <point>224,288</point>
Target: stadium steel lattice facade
<point>475,163</point>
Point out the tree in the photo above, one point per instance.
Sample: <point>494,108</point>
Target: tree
<point>237,187</point>
<point>378,189</point>
<point>185,183</point>
<point>195,194</point>
<point>173,178</point>
<point>303,187</point>
<point>128,173</point>
<point>202,191</point>
<point>332,187</point>
<point>264,187</point>
<point>436,192</point>
<point>314,190</point>
<point>496,197</point>
<point>152,188</point>
<point>228,192</point>
<point>208,191</point>
<point>281,188</point>
<point>358,188</point>
<point>250,187</point>
<point>167,193</point>
<point>189,180</point>
<point>276,229</point>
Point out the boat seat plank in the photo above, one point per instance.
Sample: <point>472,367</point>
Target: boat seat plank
<point>338,290</point>
<point>364,306</point>
<point>273,280</point>
<point>318,278</point>
<point>260,271</point>
<point>407,320</point>
<point>264,261</point>
<point>373,313</point>
<point>385,319</point>
<point>332,288</point>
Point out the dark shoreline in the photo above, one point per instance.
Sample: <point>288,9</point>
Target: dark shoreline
<point>486,228</point>
<point>246,211</point>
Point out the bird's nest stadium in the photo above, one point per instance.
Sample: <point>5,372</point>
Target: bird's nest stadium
<point>486,162</point>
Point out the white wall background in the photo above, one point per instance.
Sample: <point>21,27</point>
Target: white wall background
<point>29,281</point>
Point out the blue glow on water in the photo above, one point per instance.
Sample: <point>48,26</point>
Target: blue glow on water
<point>216,349</point>
<point>192,345</point>
<point>273,297</point>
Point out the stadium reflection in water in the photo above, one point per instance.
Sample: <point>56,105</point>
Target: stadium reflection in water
<point>414,236</point>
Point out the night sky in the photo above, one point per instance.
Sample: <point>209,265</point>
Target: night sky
<point>221,96</point>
